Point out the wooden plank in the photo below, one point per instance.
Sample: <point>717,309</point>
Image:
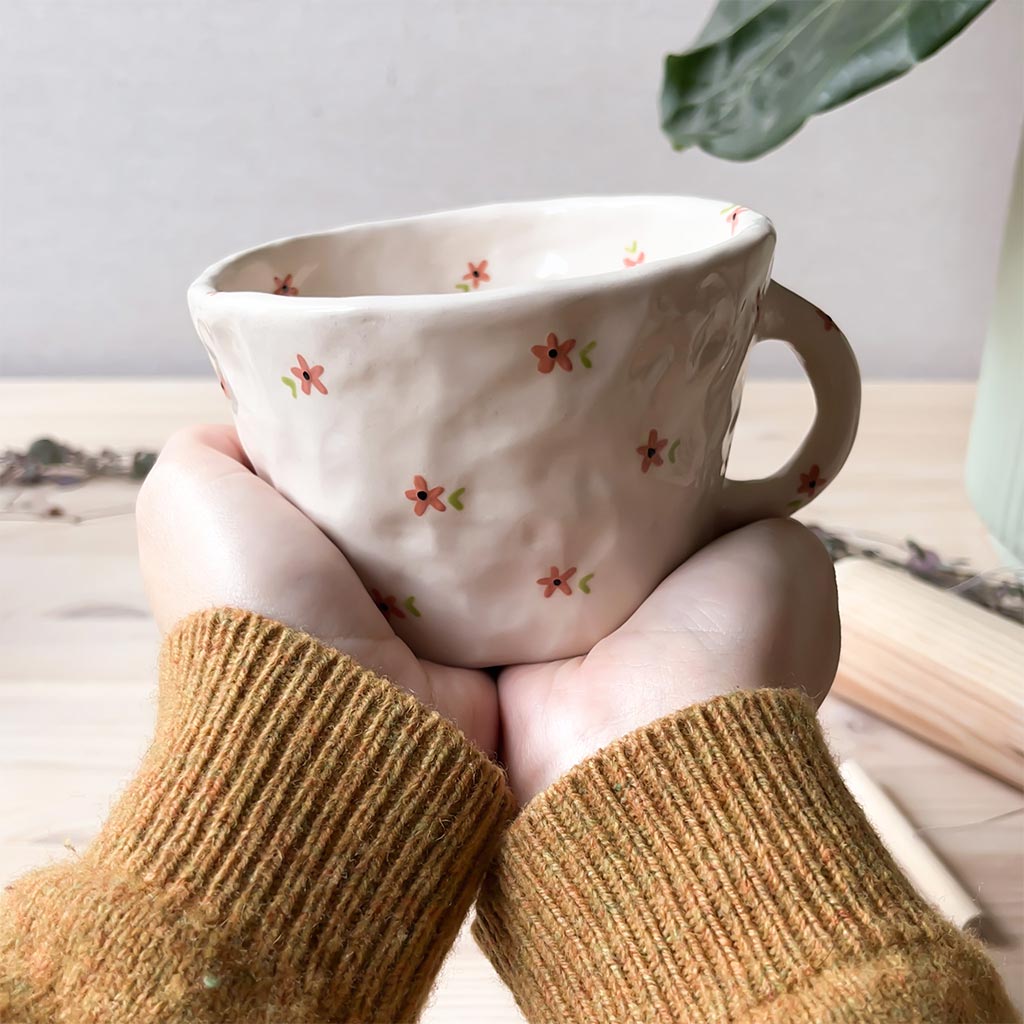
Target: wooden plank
<point>938,666</point>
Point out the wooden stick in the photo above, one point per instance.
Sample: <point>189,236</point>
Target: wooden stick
<point>934,664</point>
<point>932,879</point>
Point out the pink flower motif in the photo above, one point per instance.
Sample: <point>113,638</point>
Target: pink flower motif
<point>425,496</point>
<point>633,263</point>
<point>551,354</point>
<point>830,324</point>
<point>476,273</point>
<point>732,218</point>
<point>556,580</point>
<point>651,451</point>
<point>284,286</point>
<point>309,376</point>
<point>812,482</point>
<point>387,605</point>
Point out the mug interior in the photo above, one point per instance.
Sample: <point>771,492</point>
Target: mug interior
<point>488,248</point>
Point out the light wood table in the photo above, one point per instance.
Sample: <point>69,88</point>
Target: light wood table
<point>77,645</point>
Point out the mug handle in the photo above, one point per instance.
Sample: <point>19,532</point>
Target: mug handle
<point>829,363</point>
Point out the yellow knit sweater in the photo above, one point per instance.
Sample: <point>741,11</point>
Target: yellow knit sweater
<point>303,841</point>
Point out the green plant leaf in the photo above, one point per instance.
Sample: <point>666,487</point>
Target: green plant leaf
<point>728,16</point>
<point>761,68</point>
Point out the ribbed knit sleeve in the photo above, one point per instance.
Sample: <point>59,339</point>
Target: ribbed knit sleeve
<point>300,844</point>
<point>712,867</point>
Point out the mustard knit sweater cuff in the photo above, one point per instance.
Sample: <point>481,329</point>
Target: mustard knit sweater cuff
<point>713,867</point>
<point>301,844</point>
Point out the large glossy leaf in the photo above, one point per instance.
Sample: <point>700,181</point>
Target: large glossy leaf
<point>761,68</point>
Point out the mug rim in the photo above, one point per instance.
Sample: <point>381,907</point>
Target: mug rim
<point>202,291</point>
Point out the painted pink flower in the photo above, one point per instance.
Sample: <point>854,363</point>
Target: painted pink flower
<point>309,376</point>
<point>830,324</point>
<point>387,605</point>
<point>551,354</point>
<point>477,272</point>
<point>812,482</point>
<point>651,451</point>
<point>631,262</point>
<point>556,580</point>
<point>425,496</point>
<point>732,218</point>
<point>284,286</point>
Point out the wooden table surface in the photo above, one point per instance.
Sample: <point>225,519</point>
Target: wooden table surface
<point>78,646</point>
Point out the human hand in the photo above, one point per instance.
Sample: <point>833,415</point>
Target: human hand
<point>213,534</point>
<point>756,608</point>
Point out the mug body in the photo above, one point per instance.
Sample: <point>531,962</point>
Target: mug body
<point>514,420</point>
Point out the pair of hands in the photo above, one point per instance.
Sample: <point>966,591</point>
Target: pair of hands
<point>755,608</point>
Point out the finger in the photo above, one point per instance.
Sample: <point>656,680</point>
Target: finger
<point>204,448</point>
<point>763,593</point>
<point>177,491</point>
<point>778,555</point>
<point>466,696</point>
<point>221,437</point>
<point>212,533</point>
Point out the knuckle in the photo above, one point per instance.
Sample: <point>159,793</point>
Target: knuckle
<point>160,483</point>
<point>803,552</point>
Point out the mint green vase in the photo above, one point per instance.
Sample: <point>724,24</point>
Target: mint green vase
<point>995,459</point>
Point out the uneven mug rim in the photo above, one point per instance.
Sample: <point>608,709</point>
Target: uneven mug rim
<point>203,291</point>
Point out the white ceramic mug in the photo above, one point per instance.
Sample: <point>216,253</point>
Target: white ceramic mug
<point>515,419</point>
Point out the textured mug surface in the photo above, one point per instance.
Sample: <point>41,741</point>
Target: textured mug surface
<point>515,419</point>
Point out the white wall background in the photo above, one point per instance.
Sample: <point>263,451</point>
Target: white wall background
<point>142,139</point>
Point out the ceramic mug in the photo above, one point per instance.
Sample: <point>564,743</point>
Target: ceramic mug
<point>515,419</point>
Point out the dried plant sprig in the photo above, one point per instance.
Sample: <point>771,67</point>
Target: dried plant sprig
<point>46,461</point>
<point>1001,590</point>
